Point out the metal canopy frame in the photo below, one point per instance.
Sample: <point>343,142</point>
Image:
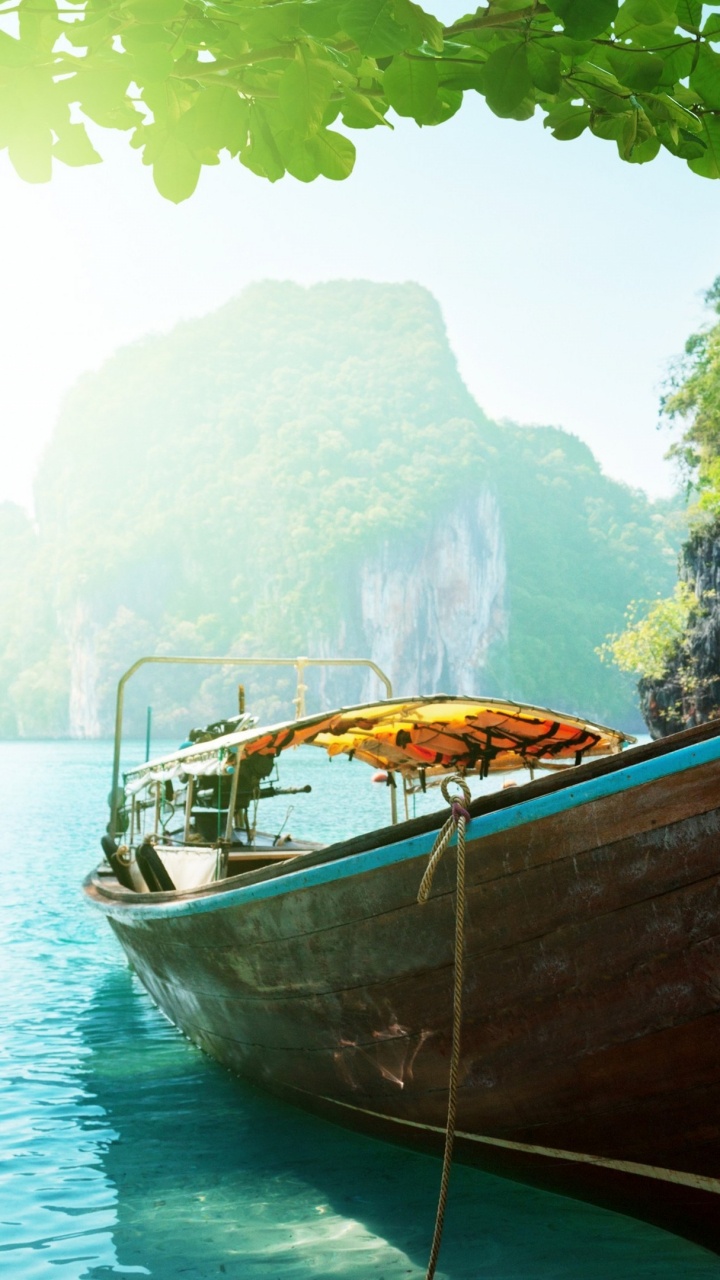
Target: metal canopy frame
<point>299,700</point>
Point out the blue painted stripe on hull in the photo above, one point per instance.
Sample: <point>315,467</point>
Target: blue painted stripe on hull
<point>556,802</point>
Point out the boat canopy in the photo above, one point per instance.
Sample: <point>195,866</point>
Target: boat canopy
<point>424,736</point>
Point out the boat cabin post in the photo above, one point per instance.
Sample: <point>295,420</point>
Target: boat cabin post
<point>188,807</point>
<point>232,804</point>
<point>158,802</point>
<point>393,797</point>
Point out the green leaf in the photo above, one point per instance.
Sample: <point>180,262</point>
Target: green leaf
<point>39,24</point>
<point>31,106</point>
<point>271,22</point>
<point>647,13</point>
<point>411,86</point>
<point>599,88</point>
<point>525,110</point>
<point>423,26</point>
<point>711,30</point>
<point>320,18</point>
<point>151,64</point>
<point>545,67</point>
<point>137,38</point>
<point>567,121</point>
<point>101,90</point>
<point>90,32</point>
<point>371,24</point>
<point>680,142</point>
<point>261,154</point>
<point>462,74</point>
<point>705,79</point>
<point>217,120</point>
<point>684,94</point>
<point>175,168</point>
<point>299,158</point>
<point>447,102</point>
<point>153,10</point>
<point>334,154</point>
<point>637,131</point>
<point>646,22</point>
<point>689,14</point>
<point>304,93</point>
<point>331,113</point>
<point>644,151</point>
<point>74,147</point>
<point>607,126</point>
<point>13,53</point>
<point>677,62</point>
<point>169,102</point>
<point>359,112</point>
<point>585,18</point>
<point>661,106</point>
<point>576,50</point>
<point>507,78</point>
<point>636,70</point>
<point>708,165</point>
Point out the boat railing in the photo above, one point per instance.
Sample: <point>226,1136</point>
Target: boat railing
<point>300,664</point>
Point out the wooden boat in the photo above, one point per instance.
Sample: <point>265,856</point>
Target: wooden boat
<point>590,1060</point>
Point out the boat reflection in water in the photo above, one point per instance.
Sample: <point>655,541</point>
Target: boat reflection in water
<point>213,1178</point>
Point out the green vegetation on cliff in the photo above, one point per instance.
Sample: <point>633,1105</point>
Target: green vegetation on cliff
<point>694,399</point>
<point>675,648</point>
<point>576,542</point>
<point>215,489</point>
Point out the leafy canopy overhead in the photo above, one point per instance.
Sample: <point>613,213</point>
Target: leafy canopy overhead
<point>278,83</point>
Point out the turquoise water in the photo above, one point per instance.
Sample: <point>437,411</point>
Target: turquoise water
<point>125,1152</point>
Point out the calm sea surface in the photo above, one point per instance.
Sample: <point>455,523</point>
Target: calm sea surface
<point>124,1151</point>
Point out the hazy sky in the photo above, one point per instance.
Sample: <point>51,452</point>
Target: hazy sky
<point>568,280</point>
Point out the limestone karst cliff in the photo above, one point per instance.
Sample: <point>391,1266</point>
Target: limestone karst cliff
<point>432,610</point>
<point>304,471</point>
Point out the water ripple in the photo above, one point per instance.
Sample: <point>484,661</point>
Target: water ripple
<point>125,1152</point>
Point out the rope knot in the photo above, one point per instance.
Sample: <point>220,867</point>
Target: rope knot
<point>453,800</point>
<point>459,815</point>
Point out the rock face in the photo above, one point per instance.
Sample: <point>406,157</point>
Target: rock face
<point>431,611</point>
<point>80,635</point>
<point>690,692</point>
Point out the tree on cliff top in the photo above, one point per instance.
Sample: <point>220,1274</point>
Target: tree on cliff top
<point>694,399</point>
<point>660,641</point>
<point>266,81</point>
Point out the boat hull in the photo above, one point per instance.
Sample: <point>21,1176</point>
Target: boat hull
<point>591,1026</point>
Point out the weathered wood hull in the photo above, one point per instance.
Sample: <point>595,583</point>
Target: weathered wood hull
<point>591,1030</point>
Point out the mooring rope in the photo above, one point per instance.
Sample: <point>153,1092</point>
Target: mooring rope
<point>459,816</point>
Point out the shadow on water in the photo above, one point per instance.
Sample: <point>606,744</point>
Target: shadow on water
<point>216,1179</point>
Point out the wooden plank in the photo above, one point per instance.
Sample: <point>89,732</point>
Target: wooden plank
<point>246,951</point>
